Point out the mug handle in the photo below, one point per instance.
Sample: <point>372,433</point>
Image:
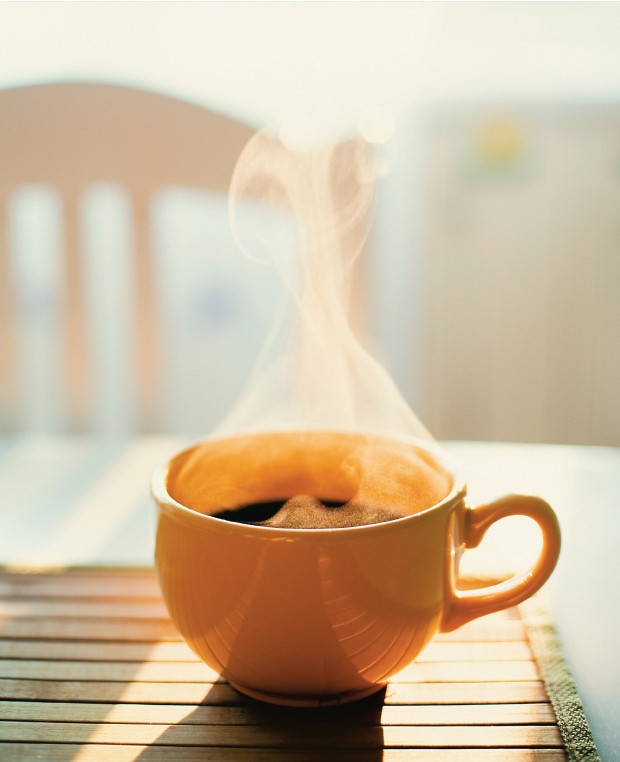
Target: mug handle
<point>464,605</point>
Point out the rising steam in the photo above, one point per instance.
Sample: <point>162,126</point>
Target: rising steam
<point>312,372</point>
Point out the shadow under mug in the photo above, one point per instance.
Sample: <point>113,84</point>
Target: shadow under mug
<point>306,617</point>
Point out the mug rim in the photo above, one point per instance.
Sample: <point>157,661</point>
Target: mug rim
<point>165,501</point>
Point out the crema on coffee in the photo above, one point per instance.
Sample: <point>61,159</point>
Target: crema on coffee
<point>308,479</point>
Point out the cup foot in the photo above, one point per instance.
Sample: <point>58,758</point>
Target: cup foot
<point>288,700</point>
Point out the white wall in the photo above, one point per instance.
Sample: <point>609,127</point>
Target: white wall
<point>263,60</point>
<point>521,273</point>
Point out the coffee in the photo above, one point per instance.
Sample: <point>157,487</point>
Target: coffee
<point>311,617</point>
<point>307,512</point>
<point>308,480</point>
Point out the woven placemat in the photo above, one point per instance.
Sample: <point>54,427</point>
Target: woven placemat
<point>559,682</point>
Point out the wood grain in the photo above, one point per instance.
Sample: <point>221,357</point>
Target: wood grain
<point>171,714</point>
<point>123,753</point>
<point>91,668</point>
<point>152,630</point>
<point>222,693</point>
<point>287,735</point>
<point>180,652</point>
<point>164,672</point>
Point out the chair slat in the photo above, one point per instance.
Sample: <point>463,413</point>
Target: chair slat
<point>68,138</point>
<point>8,356</point>
<point>147,359</point>
<point>76,358</point>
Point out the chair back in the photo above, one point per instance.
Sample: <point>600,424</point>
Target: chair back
<point>60,144</point>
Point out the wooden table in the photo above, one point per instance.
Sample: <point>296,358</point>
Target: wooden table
<point>91,668</point>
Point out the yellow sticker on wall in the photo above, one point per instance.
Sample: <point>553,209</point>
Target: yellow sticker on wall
<point>498,149</point>
<point>500,142</point>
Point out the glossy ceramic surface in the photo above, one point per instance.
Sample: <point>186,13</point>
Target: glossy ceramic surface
<point>305,616</point>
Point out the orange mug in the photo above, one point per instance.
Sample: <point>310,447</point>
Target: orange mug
<point>323,616</point>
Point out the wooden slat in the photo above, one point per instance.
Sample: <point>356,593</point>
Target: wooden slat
<point>67,628</point>
<point>368,714</point>
<point>132,583</point>
<point>78,586</point>
<point>8,350</point>
<point>146,350</point>
<point>289,735</point>
<point>221,693</point>
<point>34,608</point>
<point>152,609</point>
<point>433,672</point>
<point>91,668</point>
<point>122,753</point>
<point>156,651</point>
<point>73,317</point>
<point>93,629</point>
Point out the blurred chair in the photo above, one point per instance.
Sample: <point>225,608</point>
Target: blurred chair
<point>125,303</point>
<point>59,142</point>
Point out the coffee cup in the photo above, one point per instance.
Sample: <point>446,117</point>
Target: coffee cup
<point>309,617</point>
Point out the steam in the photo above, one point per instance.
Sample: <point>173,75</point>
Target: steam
<point>312,372</point>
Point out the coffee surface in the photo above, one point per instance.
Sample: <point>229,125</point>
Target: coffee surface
<point>308,512</point>
<point>307,480</point>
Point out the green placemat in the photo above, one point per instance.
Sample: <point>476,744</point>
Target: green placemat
<point>559,682</point>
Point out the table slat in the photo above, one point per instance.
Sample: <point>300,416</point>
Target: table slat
<point>133,753</point>
<point>154,630</point>
<point>446,714</point>
<point>222,693</point>
<point>286,735</point>
<point>443,651</point>
<point>162,672</point>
